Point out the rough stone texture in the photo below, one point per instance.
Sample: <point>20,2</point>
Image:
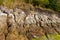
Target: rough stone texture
<point>16,24</point>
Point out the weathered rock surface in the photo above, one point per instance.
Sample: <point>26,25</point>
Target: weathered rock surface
<point>16,24</point>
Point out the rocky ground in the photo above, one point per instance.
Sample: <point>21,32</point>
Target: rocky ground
<point>19,24</point>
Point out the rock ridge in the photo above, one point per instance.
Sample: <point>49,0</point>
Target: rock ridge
<point>16,24</point>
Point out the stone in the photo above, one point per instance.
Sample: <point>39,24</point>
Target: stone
<point>17,24</point>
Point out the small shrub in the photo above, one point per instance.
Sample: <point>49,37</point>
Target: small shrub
<point>7,3</point>
<point>58,5</point>
<point>1,2</point>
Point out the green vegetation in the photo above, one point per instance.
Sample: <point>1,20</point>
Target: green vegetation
<point>52,4</point>
<point>1,2</point>
<point>51,37</point>
<point>38,2</point>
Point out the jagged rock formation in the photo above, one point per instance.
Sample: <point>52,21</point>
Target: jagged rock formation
<point>16,24</point>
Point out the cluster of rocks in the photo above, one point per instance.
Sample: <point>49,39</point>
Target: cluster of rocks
<point>16,24</point>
